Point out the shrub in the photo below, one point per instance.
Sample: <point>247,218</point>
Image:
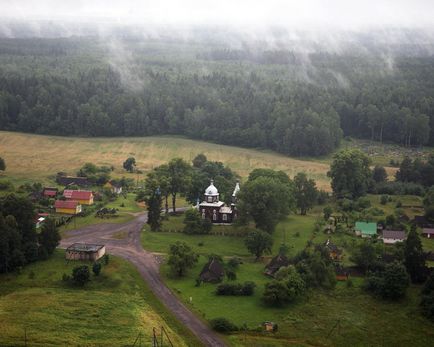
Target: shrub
<point>384,199</point>
<point>391,283</point>
<point>222,325</point>
<point>96,268</point>
<point>66,278</point>
<point>231,274</point>
<point>81,275</point>
<point>236,289</point>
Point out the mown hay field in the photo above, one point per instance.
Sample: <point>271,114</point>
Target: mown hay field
<point>39,157</point>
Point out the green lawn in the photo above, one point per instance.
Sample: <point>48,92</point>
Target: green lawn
<point>110,311</point>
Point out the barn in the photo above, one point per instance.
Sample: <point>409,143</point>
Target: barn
<point>84,251</point>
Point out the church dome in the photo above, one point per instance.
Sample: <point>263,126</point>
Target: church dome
<point>211,190</point>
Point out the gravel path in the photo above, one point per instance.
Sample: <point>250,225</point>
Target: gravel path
<point>146,263</point>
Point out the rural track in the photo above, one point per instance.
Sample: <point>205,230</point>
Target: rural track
<point>130,249</point>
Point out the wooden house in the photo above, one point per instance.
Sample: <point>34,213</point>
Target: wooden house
<point>365,229</point>
<point>115,187</point>
<point>70,180</point>
<point>393,236</point>
<point>213,271</point>
<point>275,264</point>
<point>84,197</point>
<point>67,206</point>
<point>50,192</point>
<point>428,233</point>
<point>84,251</point>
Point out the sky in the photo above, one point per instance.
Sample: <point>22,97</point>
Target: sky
<point>298,14</point>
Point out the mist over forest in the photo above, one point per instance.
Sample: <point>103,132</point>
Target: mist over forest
<point>297,89</point>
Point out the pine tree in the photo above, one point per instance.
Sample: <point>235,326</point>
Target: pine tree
<point>414,257</point>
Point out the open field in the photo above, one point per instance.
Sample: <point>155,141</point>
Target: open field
<point>37,156</point>
<point>111,310</point>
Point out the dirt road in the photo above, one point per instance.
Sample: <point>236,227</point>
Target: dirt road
<point>146,263</point>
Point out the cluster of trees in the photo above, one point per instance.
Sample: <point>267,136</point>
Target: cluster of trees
<point>80,275</point>
<point>98,175</point>
<point>416,171</point>
<point>236,289</point>
<point>19,242</point>
<point>259,104</point>
<point>312,268</point>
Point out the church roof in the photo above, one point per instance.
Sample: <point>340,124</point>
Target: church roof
<point>211,190</point>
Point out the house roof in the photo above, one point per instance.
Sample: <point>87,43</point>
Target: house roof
<point>394,234</point>
<point>49,192</point>
<point>66,204</point>
<point>366,228</point>
<point>77,194</point>
<point>84,247</point>
<point>213,268</point>
<point>212,204</point>
<point>428,231</point>
<point>275,264</point>
<point>211,190</point>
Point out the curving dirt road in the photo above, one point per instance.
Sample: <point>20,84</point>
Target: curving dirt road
<point>146,263</point>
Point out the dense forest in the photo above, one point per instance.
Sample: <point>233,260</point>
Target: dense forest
<point>297,104</point>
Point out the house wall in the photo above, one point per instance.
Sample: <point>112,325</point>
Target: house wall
<point>91,256</point>
<point>391,241</point>
<point>86,201</point>
<point>66,210</point>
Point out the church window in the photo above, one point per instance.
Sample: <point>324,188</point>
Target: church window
<point>225,217</point>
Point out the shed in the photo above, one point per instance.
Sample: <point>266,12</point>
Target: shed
<point>212,271</point>
<point>84,251</point>
<point>275,264</point>
<point>428,233</point>
<point>393,236</point>
<point>50,192</point>
<point>365,229</point>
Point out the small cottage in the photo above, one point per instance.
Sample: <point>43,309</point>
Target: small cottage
<point>275,264</point>
<point>213,271</point>
<point>393,236</point>
<point>84,197</point>
<point>84,251</point>
<point>115,187</point>
<point>67,207</point>
<point>428,233</point>
<point>50,192</point>
<point>365,229</point>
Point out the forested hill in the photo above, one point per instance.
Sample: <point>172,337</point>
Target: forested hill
<point>297,104</point>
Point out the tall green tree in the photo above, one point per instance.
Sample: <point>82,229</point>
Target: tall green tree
<point>258,242</point>
<point>414,257</point>
<point>265,200</point>
<point>305,192</point>
<point>179,173</point>
<point>181,258</point>
<point>129,164</point>
<point>49,236</point>
<point>379,174</point>
<point>153,200</point>
<point>350,173</point>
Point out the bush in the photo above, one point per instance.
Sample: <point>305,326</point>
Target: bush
<point>194,224</point>
<point>222,325</point>
<point>391,283</point>
<point>66,278</point>
<point>384,199</point>
<point>96,268</point>
<point>81,275</point>
<point>236,289</point>
<point>6,185</point>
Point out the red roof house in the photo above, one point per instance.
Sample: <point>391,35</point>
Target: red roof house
<point>85,197</point>
<point>67,206</point>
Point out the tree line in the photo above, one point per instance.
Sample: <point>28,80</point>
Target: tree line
<point>247,104</point>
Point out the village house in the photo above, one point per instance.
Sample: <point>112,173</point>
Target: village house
<point>393,236</point>
<point>115,187</point>
<point>428,233</point>
<point>84,251</point>
<point>334,252</point>
<point>422,222</point>
<point>213,271</point>
<point>84,197</point>
<point>70,180</point>
<point>365,229</point>
<point>214,209</point>
<point>275,264</point>
<point>67,207</point>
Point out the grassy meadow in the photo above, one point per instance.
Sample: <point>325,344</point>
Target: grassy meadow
<point>111,310</point>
